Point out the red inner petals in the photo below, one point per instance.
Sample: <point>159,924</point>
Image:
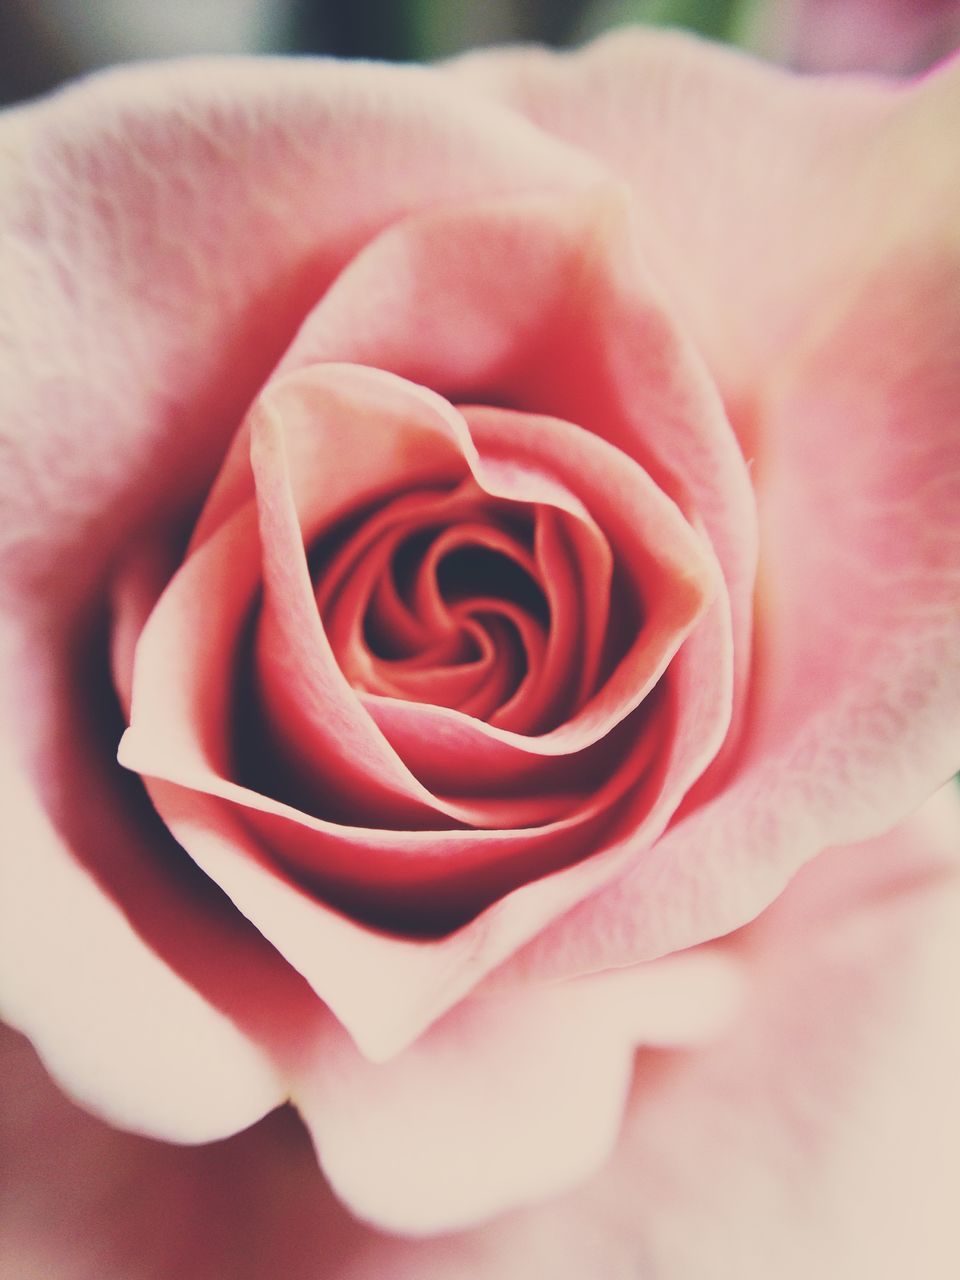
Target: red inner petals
<point>406,603</point>
<point>429,883</point>
<point>447,632</point>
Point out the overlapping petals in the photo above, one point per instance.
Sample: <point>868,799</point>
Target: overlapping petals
<point>323,802</point>
<point>452,671</point>
<point>838,373</point>
<point>818,1131</point>
<point>137,324</point>
<point>397,807</point>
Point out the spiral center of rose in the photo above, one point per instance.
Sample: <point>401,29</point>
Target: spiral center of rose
<point>437,597</point>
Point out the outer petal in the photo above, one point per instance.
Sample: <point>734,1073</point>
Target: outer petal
<point>753,186</point>
<point>163,231</point>
<point>136,1043</point>
<point>819,1137</point>
<point>507,1099</point>
<point>824,291</point>
<point>123,964</point>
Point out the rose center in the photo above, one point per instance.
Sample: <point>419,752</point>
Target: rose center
<point>437,597</point>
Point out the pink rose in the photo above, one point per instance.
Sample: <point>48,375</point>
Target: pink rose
<point>512,508</point>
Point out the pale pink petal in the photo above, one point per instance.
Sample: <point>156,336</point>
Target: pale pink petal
<point>121,1029</point>
<point>752,186</point>
<point>819,1136</point>
<point>139,321</point>
<point>122,967</point>
<point>507,1099</point>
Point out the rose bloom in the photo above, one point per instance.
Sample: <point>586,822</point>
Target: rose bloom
<point>471,535</point>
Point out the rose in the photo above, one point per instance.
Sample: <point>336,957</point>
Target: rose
<point>141,313</point>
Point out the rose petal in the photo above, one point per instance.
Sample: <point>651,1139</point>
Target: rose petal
<point>135,1010</point>
<point>152,1055</point>
<point>504,1101</point>
<point>742,232</point>
<point>819,1137</point>
<point>140,324</point>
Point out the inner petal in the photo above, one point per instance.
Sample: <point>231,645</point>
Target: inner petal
<point>436,597</point>
<point>627,578</point>
<point>483,490</point>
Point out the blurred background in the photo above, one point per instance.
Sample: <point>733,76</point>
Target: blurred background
<point>44,42</point>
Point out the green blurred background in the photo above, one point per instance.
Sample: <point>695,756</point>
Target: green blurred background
<point>43,42</point>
